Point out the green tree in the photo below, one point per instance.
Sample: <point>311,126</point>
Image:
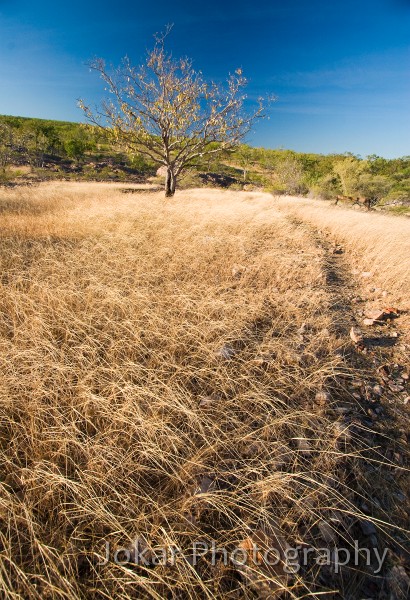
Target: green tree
<point>374,187</point>
<point>165,110</point>
<point>6,146</point>
<point>76,149</point>
<point>244,156</point>
<point>349,171</point>
<point>326,187</point>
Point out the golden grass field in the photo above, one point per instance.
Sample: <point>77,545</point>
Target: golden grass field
<point>161,363</point>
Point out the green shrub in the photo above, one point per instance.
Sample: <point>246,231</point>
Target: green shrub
<point>237,187</point>
<point>327,187</point>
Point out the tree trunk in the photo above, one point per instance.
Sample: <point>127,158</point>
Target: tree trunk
<point>170,183</point>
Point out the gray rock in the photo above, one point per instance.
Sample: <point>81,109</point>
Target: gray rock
<point>356,335</point>
<point>227,352</point>
<point>327,532</point>
<point>343,410</point>
<point>399,583</point>
<point>396,388</point>
<point>357,383</point>
<point>322,398</point>
<point>208,401</point>
<point>303,445</point>
<point>368,528</point>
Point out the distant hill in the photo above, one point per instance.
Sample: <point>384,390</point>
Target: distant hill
<point>39,149</point>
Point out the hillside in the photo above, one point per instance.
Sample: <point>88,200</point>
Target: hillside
<point>181,373</point>
<point>33,150</point>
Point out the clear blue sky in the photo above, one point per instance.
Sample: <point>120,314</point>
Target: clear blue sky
<point>340,68</point>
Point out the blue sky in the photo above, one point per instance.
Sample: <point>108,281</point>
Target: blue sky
<point>340,69</point>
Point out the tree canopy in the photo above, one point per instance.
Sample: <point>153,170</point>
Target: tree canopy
<point>166,111</point>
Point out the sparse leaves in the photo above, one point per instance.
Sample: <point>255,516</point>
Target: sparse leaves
<point>165,110</point>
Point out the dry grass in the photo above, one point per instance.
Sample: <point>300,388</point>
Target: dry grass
<point>377,243</point>
<point>120,421</point>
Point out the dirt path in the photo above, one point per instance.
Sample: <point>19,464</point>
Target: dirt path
<point>374,397</point>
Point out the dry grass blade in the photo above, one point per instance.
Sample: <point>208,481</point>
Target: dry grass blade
<point>123,423</point>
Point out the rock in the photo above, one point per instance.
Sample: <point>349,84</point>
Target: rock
<point>302,329</point>
<point>357,383</point>
<point>327,532</point>
<point>238,271</point>
<point>322,398</point>
<point>399,583</point>
<point>303,445</point>
<point>263,359</point>
<point>367,274</point>
<point>343,410</point>
<point>365,508</point>
<point>406,400</point>
<point>398,458</point>
<point>376,315</point>
<point>395,388</point>
<point>342,432</point>
<point>405,375</point>
<point>142,553</point>
<point>253,449</point>
<point>356,335</point>
<point>267,578</point>
<point>367,528</point>
<point>400,496</point>
<point>204,485</point>
<point>208,401</point>
<point>368,322</point>
<point>384,371</point>
<point>391,311</point>
<point>227,352</point>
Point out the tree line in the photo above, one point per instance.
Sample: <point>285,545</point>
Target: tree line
<point>326,176</point>
<point>41,143</point>
<point>58,146</point>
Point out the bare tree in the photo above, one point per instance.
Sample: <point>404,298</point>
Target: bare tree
<point>165,110</point>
